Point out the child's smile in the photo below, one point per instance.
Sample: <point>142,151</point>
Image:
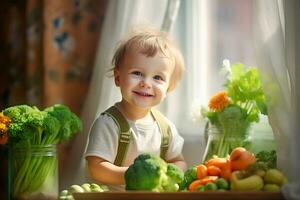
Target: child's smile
<point>143,94</point>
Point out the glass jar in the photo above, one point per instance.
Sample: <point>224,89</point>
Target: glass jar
<point>33,172</point>
<point>221,144</point>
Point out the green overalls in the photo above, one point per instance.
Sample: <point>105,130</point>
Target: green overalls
<point>125,132</point>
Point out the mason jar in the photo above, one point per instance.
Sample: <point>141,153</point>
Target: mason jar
<point>221,144</point>
<point>33,172</point>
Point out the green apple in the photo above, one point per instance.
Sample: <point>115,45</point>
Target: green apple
<point>274,176</point>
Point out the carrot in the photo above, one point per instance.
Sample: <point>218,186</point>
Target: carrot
<point>203,181</point>
<point>218,162</point>
<point>193,185</point>
<point>201,171</point>
<point>226,170</point>
<point>213,170</point>
<point>208,179</point>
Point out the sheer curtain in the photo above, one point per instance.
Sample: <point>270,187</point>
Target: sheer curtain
<point>120,17</point>
<point>191,31</point>
<point>276,28</point>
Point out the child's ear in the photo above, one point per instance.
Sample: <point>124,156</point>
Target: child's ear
<point>117,77</point>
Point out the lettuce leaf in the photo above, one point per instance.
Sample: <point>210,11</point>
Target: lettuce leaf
<point>245,89</point>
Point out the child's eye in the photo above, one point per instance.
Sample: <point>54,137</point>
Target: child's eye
<point>157,77</point>
<point>137,73</point>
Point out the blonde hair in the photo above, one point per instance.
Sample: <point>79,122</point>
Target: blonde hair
<point>150,41</point>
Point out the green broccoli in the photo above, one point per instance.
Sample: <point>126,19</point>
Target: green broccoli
<point>69,122</point>
<point>33,126</point>
<point>150,173</point>
<point>16,113</point>
<point>175,173</point>
<point>27,124</point>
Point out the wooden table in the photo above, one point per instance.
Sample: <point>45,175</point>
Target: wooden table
<point>230,195</point>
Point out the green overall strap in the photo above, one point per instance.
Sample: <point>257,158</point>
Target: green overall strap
<point>125,133</point>
<point>165,131</point>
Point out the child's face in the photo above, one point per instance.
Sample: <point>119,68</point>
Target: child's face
<point>143,80</point>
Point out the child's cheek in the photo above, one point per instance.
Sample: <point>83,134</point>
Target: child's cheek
<point>163,87</point>
<point>133,80</point>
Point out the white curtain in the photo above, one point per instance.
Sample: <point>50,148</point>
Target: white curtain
<point>191,31</point>
<point>121,16</point>
<point>276,43</point>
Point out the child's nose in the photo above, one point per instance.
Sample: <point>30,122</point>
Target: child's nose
<point>145,83</point>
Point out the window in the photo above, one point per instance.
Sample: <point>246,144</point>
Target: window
<point>208,32</point>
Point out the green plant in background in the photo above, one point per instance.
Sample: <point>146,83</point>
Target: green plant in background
<point>233,110</point>
<point>245,90</point>
<point>28,128</point>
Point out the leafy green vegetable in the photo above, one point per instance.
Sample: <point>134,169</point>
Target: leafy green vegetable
<point>245,89</point>
<point>51,126</point>
<point>189,176</point>
<point>174,172</point>
<point>265,160</point>
<point>232,121</point>
<point>30,129</point>
<point>246,101</point>
<point>69,122</point>
<point>267,157</point>
<point>151,173</point>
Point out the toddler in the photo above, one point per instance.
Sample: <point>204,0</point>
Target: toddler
<point>146,66</point>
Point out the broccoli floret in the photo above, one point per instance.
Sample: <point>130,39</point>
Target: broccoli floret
<point>27,123</point>
<point>150,173</point>
<point>69,122</point>
<point>17,112</point>
<point>33,126</point>
<point>51,129</point>
<point>175,173</point>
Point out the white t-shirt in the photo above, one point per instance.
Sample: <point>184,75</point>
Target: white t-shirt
<point>146,138</point>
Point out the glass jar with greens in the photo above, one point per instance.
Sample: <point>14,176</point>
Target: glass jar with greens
<point>31,136</point>
<point>220,143</point>
<point>33,172</point>
<point>232,111</point>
